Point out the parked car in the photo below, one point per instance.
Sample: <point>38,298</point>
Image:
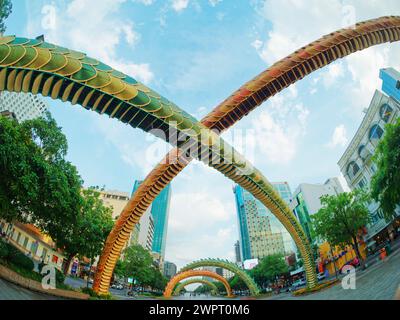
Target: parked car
<point>298,284</point>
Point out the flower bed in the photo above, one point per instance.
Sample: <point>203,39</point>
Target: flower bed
<point>319,287</point>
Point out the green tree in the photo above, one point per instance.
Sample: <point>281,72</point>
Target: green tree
<point>86,238</point>
<point>157,280</point>
<point>5,11</point>
<point>138,264</point>
<point>119,269</point>
<point>386,180</point>
<point>341,218</point>
<point>38,185</point>
<point>269,268</point>
<point>203,289</point>
<point>237,283</point>
<point>19,160</point>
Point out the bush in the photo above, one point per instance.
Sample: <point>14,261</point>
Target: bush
<point>3,250</point>
<point>60,277</point>
<point>20,260</point>
<point>12,255</point>
<point>96,296</point>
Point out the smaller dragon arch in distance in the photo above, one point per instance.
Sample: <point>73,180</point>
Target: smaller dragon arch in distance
<point>225,264</point>
<point>196,273</point>
<point>180,286</point>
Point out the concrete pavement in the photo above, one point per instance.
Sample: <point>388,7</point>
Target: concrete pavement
<point>9,291</point>
<point>379,282</point>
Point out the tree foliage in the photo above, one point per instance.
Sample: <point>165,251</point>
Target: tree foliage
<point>5,11</point>
<point>94,222</point>
<point>341,218</point>
<point>39,186</point>
<point>269,268</point>
<point>386,181</point>
<point>138,264</point>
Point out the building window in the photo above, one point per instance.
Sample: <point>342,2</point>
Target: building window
<point>363,152</point>
<point>352,169</point>
<point>385,112</point>
<point>26,242</point>
<point>376,132</point>
<point>362,184</point>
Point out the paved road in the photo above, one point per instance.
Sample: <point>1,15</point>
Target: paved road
<point>80,283</point>
<point>379,282</point>
<point>9,291</point>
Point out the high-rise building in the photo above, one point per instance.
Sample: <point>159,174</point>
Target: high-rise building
<point>25,106</point>
<point>160,213</point>
<point>356,163</point>
<point>169,269</point>
<point>260,234</point>
<point>227,274</point>
<point>146,230</point>
<point>237,252</point>
<point>306,201</point>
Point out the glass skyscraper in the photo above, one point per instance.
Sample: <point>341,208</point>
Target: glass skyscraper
<point>160,214</point>
<point>260,232</point>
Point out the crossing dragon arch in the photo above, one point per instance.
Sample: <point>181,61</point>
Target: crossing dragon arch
<point>182,285</point>
<point>38,67</point>
<point>225,264</point>
<point>273,80</point>
<point>195,273</point>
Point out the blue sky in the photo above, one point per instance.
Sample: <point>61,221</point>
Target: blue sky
<point>196,53</point>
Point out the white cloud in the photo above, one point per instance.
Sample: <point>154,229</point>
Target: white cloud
<point>332,74</point>
<point>179,5</point>
<point>213,3</point>
<point>257,44</point>
<point>202,219</point>
<point>100,38</point>
<point>339,137</point>
<point>145,2</point>
<point>191,214</point>
<point>281,127</point>
<point>284,38</point>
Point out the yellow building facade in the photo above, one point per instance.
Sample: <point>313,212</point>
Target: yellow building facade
<point>337,256</point>
<point>33,243</point>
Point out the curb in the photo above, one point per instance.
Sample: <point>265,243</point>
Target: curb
<point>13,277</point>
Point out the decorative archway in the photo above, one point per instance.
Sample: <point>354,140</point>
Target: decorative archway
<point>195,273</point>
<point>273,80</point>
<point>225,264</point>
<point>183,284</point>
<point>38,67</point>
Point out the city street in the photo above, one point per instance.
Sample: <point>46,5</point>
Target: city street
<point>379,282</point>
<point>9,291</point>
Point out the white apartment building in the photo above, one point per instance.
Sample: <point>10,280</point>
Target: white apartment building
<point>356,163</point>
<point>306,200</point>
<point>25,106</point>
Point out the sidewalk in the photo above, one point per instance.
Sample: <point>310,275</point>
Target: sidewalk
<point>371,260</point>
